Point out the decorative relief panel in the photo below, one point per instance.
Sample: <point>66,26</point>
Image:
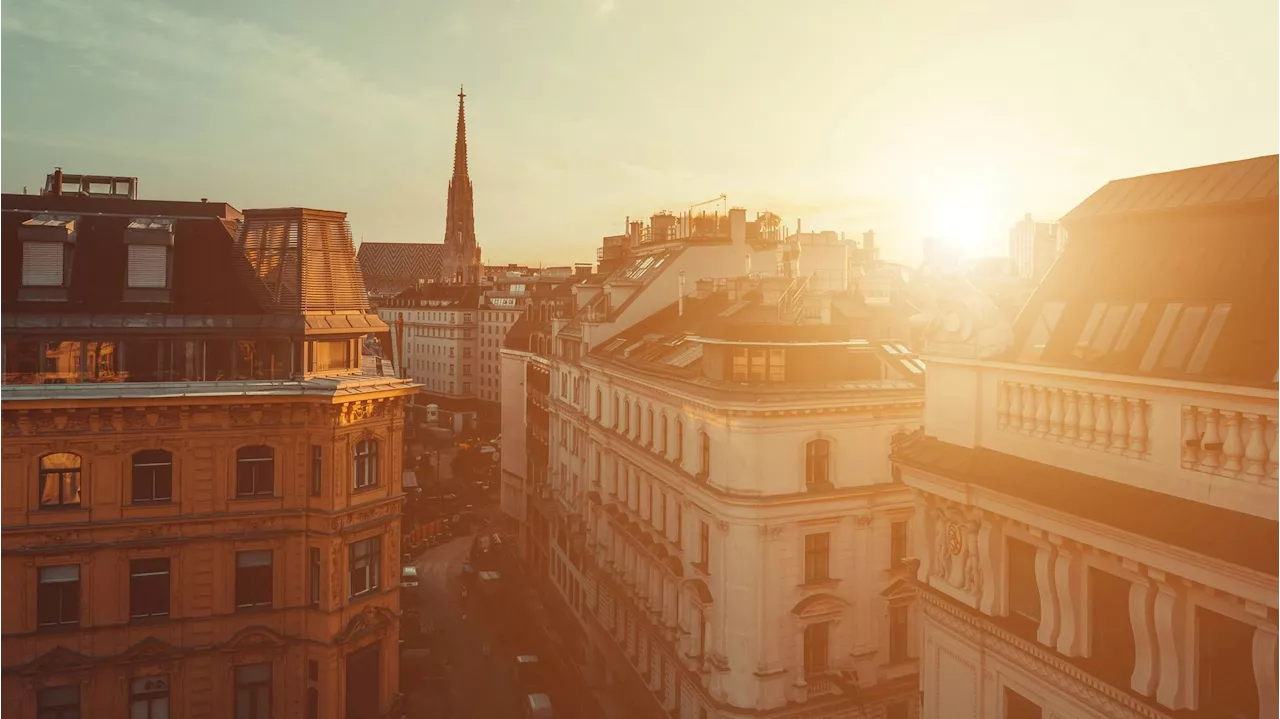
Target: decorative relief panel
<point>1093,420</point>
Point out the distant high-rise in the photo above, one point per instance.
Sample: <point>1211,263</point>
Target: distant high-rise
<point>461,253</point>
<point>1034,246</point>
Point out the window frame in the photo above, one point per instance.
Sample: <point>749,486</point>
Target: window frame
<point>817,557</point>
<point>899,633</point>
<point>251,579</point>
<point>149,695</point>
<point>246,462</point>
<point>68,598</point>
<point>817,463</point>
<point>364,557</point>
<point>141,571</point>
<point>63,709</point>
<point>62,475</point>
<point>160,471</point>
<point>364,465</point>
<point>816,653</point>
<point>254,687</point>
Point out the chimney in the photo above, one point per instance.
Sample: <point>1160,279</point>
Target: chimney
<point>738,226</point>
<point>798,221</point>
<point>680,301</point>
<point>57,181</point>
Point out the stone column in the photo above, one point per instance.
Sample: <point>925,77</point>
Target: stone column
<point>922,522</point>
<point>1264,671</point>
<point>1068,576</point>
<point>1171,622</point>
<point>991,548</point>
<point>1046,556</point>
<point>1142,597</point>
<point>864,620</point>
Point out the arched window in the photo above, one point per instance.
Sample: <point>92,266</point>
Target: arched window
<point>365,469</point>
<point>648,426</point>
<point>662,436</point>
<point>704,450</point>
<point>255,471</point>
<point>60,480</point>
<point>626,418</point>
<point>817,464</point>
<point>152,476</point>
<point>679,440</point>
<point>599,403</point>
<point>616,414</point>
<point>635,426</point>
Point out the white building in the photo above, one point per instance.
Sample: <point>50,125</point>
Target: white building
<point>1035,245</point>
<point>500,308</point>
<point>1095,489</point>
<point>717,513</point>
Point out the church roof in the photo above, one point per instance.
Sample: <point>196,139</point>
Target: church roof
<point>390,268</point>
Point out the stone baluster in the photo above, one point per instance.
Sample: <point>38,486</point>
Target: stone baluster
<point>1042,412</point>
<point>1264,671</point>
<point>1142,599</point>
<point>1119,425</point>
<point>1102,421</point>
<point>1055,412</point>
<point>1015,406</point>
<point>1190,437</point>
<point>1170,619</point>
<point>1071,416</point>
<point>1232,445</point>
<point>1271,456</point>
<point>1002,404</point>
<point>1210,442</point>
<point>1137,427</point>
<point>1255,449</point>
<point>1028,409</point>
<point>1086,420</point>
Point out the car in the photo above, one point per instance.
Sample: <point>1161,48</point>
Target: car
<point>537,706</point>
<point>408,576</point>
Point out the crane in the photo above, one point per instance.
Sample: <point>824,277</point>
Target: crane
<point>721,198</point>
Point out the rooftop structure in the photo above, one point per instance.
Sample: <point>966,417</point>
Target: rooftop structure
<point>390,268</point>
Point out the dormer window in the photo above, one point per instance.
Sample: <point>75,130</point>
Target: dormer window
<point>150,243</point>
<point>47,242</point>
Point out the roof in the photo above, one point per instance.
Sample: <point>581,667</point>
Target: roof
<point>463,296</point>
<point>392,267</point>
<point>1240,539</point>
<point>1175,296</point>
<point>302,260</point>
<point>1223,184</point>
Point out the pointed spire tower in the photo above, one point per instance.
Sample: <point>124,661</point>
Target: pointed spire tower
<point>461,254</point>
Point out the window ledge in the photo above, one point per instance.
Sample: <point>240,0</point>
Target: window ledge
<point>828,583</point>
<point>365,489</point>
<point>254,497</point>
<point>255,608</point>
<point>42,294</point>
<point>59,628</point>
<point>148,620</point>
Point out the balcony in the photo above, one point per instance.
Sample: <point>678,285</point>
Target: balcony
<point>1207,443</point>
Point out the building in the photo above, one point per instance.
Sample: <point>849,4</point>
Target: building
<point>201,486</point>
<point>679,564</point>
<point>1034,246</point>
<point>389,268</point>
<point>461,253</point>
<point>1095,485</point>
<point>501,306</point>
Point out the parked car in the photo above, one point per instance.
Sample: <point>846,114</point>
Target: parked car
<point>537,706</point>
<point>409,577</point>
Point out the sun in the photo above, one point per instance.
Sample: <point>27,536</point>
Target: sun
<point>966,212</point>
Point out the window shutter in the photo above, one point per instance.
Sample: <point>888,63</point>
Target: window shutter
<point>147,265</point>
<point>42,264</point>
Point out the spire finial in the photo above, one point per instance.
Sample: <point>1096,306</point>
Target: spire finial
<point>460,141</point>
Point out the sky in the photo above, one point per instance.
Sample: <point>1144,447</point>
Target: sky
<point>912,118</point>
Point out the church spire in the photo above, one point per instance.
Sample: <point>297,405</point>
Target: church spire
<point>460,142</point>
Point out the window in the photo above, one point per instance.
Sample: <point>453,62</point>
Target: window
<point>42,264</point>
<point>739,368</point>
<point>149,587</point>
<point>679,440</point>
<point>58,702</point>
<point>816,647</point>
<point>58,596</point>
<point>704,449</point>
<point>1024,592</point>
<point>1110,631</point>
<point>365,471</point>
<point>817,464</point>
<point>149,698</point>
<point>253,691</point>
<point>1042,330</point>
<point>898,633</point>
<point>617,418</point>
<point>253,579</point>
<point>897,544</point>
<point>648,426</point>
<point>364,561</point>
<point>626,417</point>
<point>255,471</point>
<point>147,266</point>
<point>679,524</point>
<point>702,632</point>
<point>662,436</point>
<point>1226,666</point>
<point>817,557</point>
<point>599,400</point>
<point>1017,706</point>
<point>313,703</point>
<point>152,476</point>
<point>1207,340</point>
<point>313,575</point>
<point>317,471</point>
<point>704,546</point>
<point>330,355</point>
<point>662,513</point>
<point>59,480</point>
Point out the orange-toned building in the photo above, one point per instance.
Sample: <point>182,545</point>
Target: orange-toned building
<point>201,471</point>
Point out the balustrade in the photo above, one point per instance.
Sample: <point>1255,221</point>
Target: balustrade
<point>1103,422</point>
<point>1234,444</point>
